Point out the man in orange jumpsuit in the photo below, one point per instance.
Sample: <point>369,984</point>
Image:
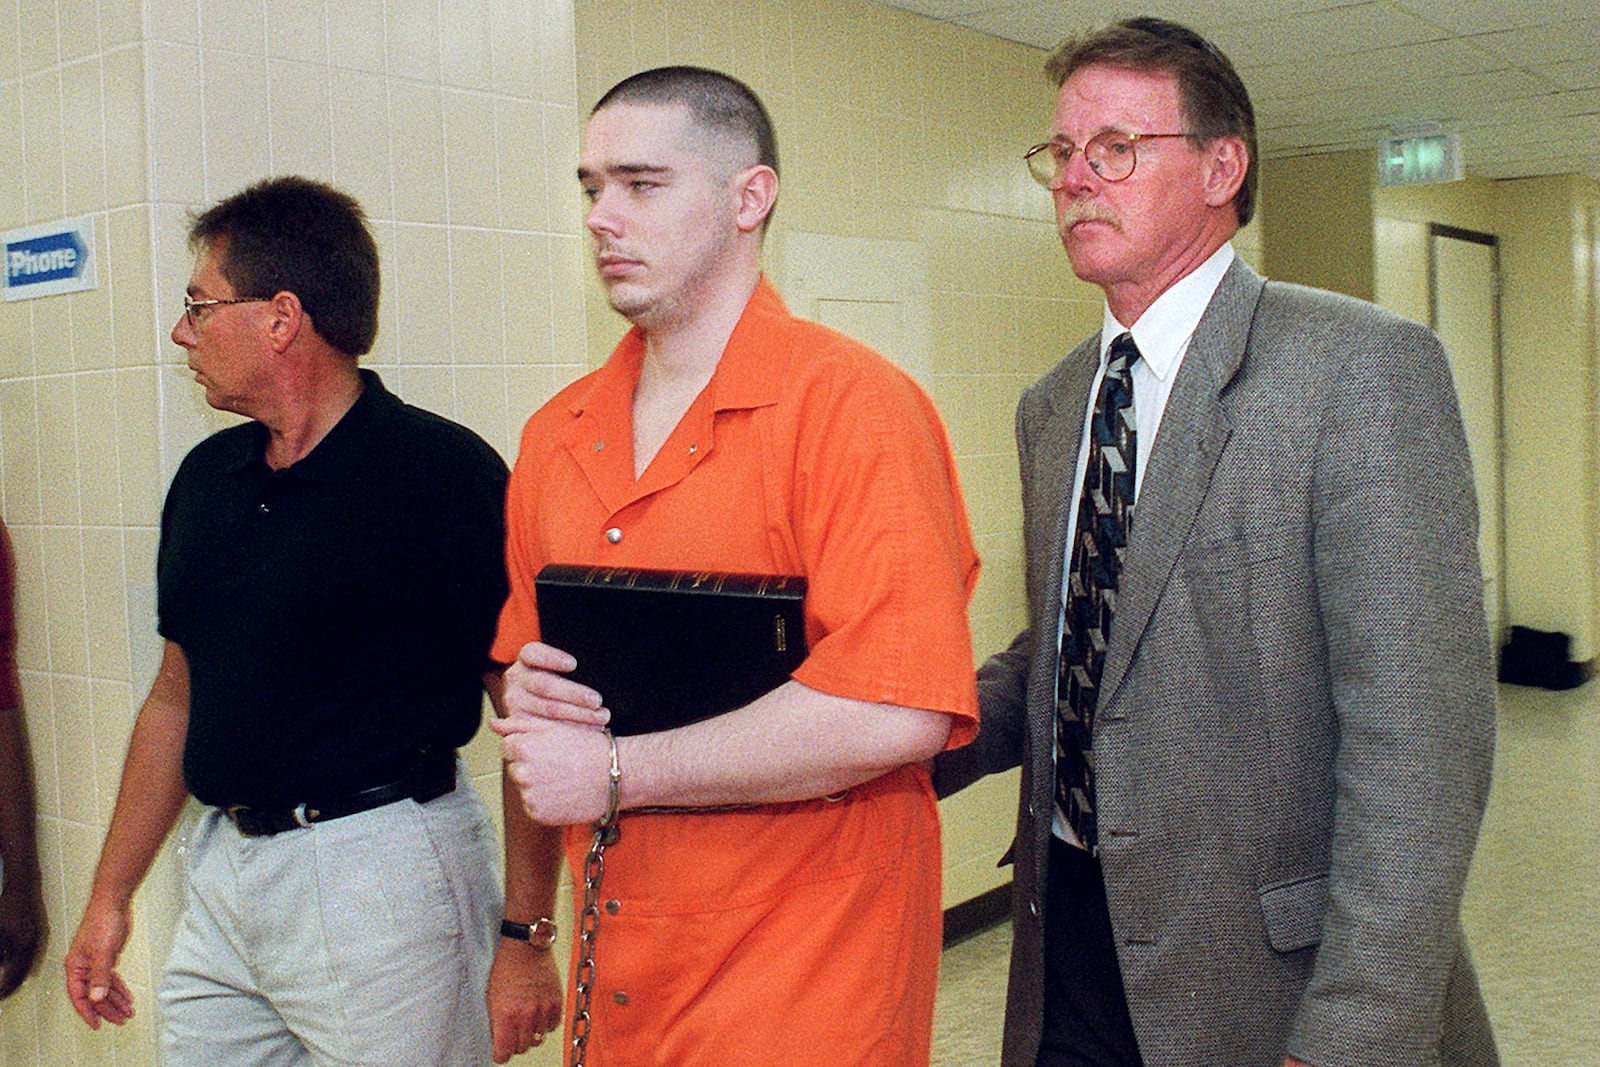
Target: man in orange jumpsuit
<point>803,925</point>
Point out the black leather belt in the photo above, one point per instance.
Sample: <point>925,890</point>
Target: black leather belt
<point>433,776</point>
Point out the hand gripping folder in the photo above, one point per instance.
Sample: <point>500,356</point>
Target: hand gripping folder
<point>668,648</point>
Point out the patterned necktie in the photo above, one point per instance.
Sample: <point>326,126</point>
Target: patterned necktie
<point>1105,511</point>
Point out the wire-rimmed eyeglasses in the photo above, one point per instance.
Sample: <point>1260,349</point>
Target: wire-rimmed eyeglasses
<point>1110,154</point>
<point>191,306</point>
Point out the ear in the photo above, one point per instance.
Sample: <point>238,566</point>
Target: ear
<point>1227,161</point>
<point>757,190</point>
<point>288,318</point>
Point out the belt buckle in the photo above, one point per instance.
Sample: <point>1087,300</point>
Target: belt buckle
<point>303,817</point>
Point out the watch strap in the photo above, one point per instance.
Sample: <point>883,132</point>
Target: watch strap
<point>541,933</point>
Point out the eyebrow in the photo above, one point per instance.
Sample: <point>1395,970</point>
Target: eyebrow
<point>1104,128</point>
<point>623,169</point>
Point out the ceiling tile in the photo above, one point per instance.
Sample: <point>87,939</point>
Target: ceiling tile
<point>1333,74</point>
<point>1487,16</point>
<point>1541,46</point>
<point>1042,25</point>
<point>1577,74</point>
<point>1317,34</point>
<point>1402,64</point>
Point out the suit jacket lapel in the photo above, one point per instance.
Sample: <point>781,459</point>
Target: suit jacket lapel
<point>1194,431</point>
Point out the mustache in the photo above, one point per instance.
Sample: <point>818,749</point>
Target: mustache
<point>1085,211</point>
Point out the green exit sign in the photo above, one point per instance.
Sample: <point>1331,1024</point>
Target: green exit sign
<point>1415,160</point>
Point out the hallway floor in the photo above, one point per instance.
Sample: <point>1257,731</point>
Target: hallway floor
<point>1532,908</point>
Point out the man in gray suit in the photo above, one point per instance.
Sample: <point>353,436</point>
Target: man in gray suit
<point>1254,705</point>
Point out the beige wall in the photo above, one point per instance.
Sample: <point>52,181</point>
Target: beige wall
<point>1552,511</point>
<point>1549,352</point>
<point>1591,267</point>
<point>1401,215</point>
<point>1316,221</point>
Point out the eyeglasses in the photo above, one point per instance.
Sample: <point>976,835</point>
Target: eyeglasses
<point>1110,155</point>
<point>192,307</point>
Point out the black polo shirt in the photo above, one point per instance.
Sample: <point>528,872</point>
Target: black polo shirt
<point>337,614</point>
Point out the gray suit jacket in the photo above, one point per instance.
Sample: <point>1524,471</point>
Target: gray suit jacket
<point>1296,716</point>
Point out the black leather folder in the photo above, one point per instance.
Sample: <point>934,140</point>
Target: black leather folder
<point>668,648</point>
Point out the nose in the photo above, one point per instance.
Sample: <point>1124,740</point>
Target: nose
<point>183,333</point>
<point>1075,173</point>
<point>602,218</point>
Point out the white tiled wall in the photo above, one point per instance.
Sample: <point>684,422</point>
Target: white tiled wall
<point>450,121</point>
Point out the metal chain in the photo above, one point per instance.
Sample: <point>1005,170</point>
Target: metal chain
<point>594,869</point>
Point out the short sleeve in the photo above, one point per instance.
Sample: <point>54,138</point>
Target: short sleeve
<point>882,526</point>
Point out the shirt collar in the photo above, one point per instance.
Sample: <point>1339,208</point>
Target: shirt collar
<point>339,455</point>
<point>1163,331</point>
<point>753,368</point>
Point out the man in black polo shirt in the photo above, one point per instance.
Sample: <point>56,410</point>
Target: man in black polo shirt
<point>328,579</point>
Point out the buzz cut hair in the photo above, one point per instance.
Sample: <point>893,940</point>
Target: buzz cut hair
<point>719,104</point>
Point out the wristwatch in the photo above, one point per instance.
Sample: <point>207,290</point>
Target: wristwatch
<point>541,933</point>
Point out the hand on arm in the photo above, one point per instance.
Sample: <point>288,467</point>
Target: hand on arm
<point>1003,709</point>
<point>525,989</point>
<point>148,802</point>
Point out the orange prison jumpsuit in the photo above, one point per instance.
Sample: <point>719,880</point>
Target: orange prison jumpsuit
<point>795,933</point>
